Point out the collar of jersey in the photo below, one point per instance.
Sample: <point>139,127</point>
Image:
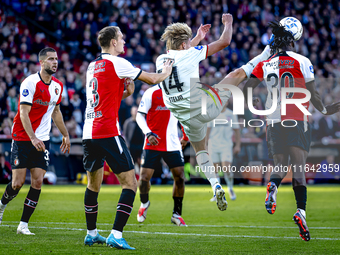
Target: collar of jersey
<point>43,81</point>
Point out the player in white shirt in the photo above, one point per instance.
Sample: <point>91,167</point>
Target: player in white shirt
<point>183,96</point>
<point>220,145</point>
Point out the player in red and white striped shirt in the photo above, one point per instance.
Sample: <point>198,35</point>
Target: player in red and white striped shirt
<point>288,142</point>
<point>161,141</point>
<point>40,96</point>
<point>105,80</point>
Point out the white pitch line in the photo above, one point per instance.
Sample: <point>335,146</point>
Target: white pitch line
<point>171,225</point>
<point>188,234</point>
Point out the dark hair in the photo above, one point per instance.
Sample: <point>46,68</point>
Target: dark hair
<point>282,38</point>
<point>43,52</point>
<point>106,35</point>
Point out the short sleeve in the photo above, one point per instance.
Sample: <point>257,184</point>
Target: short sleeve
<point>307,70</point>
<point>27,90</point>
<point>61,94</point>
<point>124,69</point>
<point>258,71</point>
<point>146,102</point>
<point>197,54</point>
<point>235,122</point>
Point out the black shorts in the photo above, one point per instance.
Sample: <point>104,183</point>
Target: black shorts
<point>279,138</point>
<point>113,150</point>
<point>25,155</point>
<point>151,158</point>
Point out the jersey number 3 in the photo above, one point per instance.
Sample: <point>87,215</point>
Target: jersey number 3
<point>173,76</point>
<point>94,85</point>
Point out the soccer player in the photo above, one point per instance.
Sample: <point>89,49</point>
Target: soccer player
<point>288,69</point>
<point>105,80</point>
<point>160,128</point>
<point>40,96</point>
<point>183,94</point>
<point>220,145</point>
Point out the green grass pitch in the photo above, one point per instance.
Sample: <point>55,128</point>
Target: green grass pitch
<point>245,227</point>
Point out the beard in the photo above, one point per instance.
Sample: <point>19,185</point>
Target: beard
<point>49,71</point>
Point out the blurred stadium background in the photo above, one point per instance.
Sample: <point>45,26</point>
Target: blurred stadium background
<point>71,27</point>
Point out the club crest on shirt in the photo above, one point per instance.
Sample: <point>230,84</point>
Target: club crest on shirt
<point>16,162</point>
<point>56,91</point>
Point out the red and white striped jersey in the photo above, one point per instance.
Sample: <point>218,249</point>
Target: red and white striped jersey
<point>160,121</point>
<point>43,98</point>
<point>285,69</point>
<point>105,78</point>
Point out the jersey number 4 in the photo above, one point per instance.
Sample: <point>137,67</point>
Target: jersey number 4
<point>94,85</point>
<point>173,76</point>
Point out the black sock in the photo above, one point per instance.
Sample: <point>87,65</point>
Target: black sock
<point>30,204</point>
<point>91,208</point>
<point>124,209</point>
<point>144,198</point>
<point>300,196</point>
<point>276,179</point>
<point>9,194</point>
<point>178,205</point>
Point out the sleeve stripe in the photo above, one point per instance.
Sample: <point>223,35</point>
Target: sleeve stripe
<point>142,112</point>
<point>27,103</point>
<point>206,54</point>
<point>138,75</point>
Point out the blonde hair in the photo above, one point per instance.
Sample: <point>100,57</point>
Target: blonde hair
<point>175,34</point>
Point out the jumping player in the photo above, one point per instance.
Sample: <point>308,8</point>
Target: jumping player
<point>40,96</point>
<point>105,80</point>
<point>160,128</point>
<point>288,69</point>
<point>183,94</point>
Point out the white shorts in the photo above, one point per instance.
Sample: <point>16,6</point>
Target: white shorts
<point>222,156</point>
<point>196,127</point>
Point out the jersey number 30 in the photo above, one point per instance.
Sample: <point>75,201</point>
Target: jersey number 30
<point>94,85</point>
<point>173,76</point>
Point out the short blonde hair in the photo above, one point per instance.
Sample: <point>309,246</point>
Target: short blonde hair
<point>175,34</point>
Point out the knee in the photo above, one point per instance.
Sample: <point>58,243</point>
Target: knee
<point>17,184</point>
<point>179,177</point>
<point>37,183</point>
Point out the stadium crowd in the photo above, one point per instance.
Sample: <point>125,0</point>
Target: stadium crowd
<point>71,27</point>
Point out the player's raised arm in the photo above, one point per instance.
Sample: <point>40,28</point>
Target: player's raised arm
<point>317,102</point>
<point>201,32</point>
<point>155,78</point>
<point>225,39</point>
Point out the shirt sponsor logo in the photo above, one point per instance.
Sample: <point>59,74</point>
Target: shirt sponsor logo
<point>25,92</point>
<point>160,108</point>
<point>46,103</point>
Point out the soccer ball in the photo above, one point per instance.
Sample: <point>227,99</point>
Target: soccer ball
<point>293,26</point>
<point>50,178</point>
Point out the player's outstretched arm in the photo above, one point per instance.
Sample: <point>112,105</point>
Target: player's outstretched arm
<point>316,101</point>
<point>59,122</point>
<point>155,78</point>
<point>225,39</point>
<point>235,77</point>
<point>252,83</point>
<point>129,89</point>
<point>201,32</point>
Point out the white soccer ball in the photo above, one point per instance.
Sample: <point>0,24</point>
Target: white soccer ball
<point>294,26</point>
<point>50,178</point>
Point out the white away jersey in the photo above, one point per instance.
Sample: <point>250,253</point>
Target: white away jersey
<point>42,98</point>
<point>160,121</point>
<point>105,78</point>
<point>221,135</point>
<point>180,90</point>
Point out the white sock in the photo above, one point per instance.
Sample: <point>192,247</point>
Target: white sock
<point>303,212</point>
<point>2,206</point>
<point>92,232</point>
<point>249,67</point>
<point>23,224</point>
<point>207,167</point>
<point>229,179</point>
<point>117,234</point>
<point>144,205</point>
